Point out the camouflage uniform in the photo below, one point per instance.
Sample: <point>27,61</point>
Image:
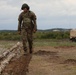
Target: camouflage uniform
<point>26,25</point>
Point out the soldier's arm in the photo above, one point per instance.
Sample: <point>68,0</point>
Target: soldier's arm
<point>19,22</point>
<point>34,22</point>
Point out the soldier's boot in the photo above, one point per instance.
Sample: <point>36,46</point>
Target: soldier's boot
<point>25,51</point>
<point>30,49</point>
<point>30,46</point>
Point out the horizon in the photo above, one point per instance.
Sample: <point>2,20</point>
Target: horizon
<point>40,29</point>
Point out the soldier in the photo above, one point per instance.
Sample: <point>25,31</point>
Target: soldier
<point>27,26</point>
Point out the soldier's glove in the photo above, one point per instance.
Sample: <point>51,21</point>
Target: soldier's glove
<point>34,31</point>
<point>19,32</point>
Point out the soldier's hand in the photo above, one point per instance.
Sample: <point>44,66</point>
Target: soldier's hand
<point>19,32</point>
<point>34,31</point>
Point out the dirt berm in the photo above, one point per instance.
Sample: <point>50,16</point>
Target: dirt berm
<point>18,66</point>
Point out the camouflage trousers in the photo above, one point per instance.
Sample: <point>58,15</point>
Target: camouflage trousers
<point>27,39</point>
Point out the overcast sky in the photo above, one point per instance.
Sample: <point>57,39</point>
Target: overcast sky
<point>50,13</point>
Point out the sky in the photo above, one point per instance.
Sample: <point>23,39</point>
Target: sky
<point>50,13</point>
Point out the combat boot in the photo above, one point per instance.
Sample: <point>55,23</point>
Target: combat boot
<point>25,51</point>
<point>31,51</point>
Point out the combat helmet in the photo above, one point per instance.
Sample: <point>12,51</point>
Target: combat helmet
<point>25,6</point>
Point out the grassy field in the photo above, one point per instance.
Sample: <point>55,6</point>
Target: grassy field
<point>40,43</point>
<point>53,42</point>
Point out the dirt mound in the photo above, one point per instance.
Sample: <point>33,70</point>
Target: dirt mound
<point>70,61</point>
<point>40,52</point>
<point>18,66</point>
<point>64,47</point>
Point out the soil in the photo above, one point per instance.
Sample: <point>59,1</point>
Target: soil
<point>18,66</point>
<point>44,61</point>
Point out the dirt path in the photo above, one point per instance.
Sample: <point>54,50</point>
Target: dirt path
<point>18,66</point>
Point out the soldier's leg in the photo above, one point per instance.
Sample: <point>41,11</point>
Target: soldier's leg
<point>30,45</point>
<point>30,41</point>
<point>24,39</point>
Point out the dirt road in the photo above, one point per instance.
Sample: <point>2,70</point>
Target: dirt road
<point>18,66</point>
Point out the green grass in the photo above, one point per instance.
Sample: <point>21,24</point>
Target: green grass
<point>41,43</point>
<point>54,43</point>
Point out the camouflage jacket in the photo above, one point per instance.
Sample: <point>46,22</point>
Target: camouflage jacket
<point>27,20</point>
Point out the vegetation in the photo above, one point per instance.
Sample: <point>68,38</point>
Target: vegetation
<point>9,35</point>
<point>52,35</point>
<point>13,35</point>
